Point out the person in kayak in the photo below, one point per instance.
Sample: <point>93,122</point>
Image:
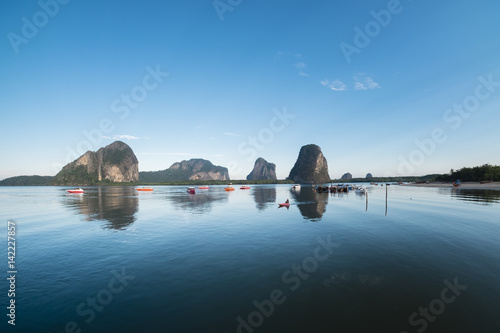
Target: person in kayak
<point>287,201</point>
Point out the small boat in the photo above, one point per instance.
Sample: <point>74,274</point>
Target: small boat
<point>245,188</point>
<point>229,187</point>
<point>486,182</point>
<point>144,189</point>
<point>284,205</point>
<point>76,190</point>
<point>203,187</point>
<point>296,187</point>
<point>361,190</point>
<point>191,190</point>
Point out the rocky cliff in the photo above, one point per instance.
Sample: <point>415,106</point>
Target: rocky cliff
<point>263,170</point>
<point>311,166</point>
<point>346,175</point>
<point>194,169</point>
<point>114,163</point>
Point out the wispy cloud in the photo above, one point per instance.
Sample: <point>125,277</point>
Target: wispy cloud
<point>121,137</point>
<point>361,82</point>
<point>364,82</point>
<point>231,134</point>
<point>161,154</point>
<point>180,154</point>
<point>296,60</point>
<point>299,65</point>
<point>336,84</point>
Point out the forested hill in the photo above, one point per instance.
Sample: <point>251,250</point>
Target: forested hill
<point>484,172</point>
<point>27,181</point>
<point>194,169</point>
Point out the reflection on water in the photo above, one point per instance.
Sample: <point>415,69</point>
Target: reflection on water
<point>116,205</point>
<point>263,196</point>
<point>312,205</point>
<point>179,268</point>
<point>479,197</point>
<point>198,203</point>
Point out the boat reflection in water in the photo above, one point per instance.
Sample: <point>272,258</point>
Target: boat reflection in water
<point>199,203</point>
<point>264,196</point>
<point>312,205</point>
<point>115,205</point>
<point>478,197</point>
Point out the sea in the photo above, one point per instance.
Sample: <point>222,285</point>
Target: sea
<point>395,259</point>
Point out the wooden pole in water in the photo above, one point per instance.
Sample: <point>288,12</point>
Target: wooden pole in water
<point>386,200</point>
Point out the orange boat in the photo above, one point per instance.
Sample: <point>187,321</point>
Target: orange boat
<point>229,187</point>
<point>203,187</point>
<point>145,189</point>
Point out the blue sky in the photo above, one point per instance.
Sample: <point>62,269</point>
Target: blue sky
<point>387,87</point>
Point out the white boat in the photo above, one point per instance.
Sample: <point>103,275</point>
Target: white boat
<point>296,187</point>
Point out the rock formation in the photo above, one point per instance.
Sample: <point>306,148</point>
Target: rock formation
<point>369,175</point>
<point>194,169</point>
<point>263,170</point>
<point>114,163</point>
<point>346,176</point>
<point>310,167</point>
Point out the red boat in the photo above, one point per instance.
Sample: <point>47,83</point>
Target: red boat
<point>145,189</point>
<point>245,188</point>
<point>284,205</point>
<point>203,187</point>
<point>77,190</point>
<point>191,190</point>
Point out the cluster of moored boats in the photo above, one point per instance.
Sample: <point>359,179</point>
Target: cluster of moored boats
<point>339,189</point>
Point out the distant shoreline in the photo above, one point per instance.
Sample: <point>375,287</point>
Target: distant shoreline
<point>465,185</point>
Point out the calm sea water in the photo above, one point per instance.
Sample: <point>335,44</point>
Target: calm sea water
<point>115,260</point>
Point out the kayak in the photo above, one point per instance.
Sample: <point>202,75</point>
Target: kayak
<point>191,190</point>
<point>229,188</point>
<point>245,188</point>
<point>203,187</point>
<point>284,205</point>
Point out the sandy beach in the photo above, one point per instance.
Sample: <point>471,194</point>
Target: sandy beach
<point>466,185</point>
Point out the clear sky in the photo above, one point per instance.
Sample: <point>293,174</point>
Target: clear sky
<point>387,87</point>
